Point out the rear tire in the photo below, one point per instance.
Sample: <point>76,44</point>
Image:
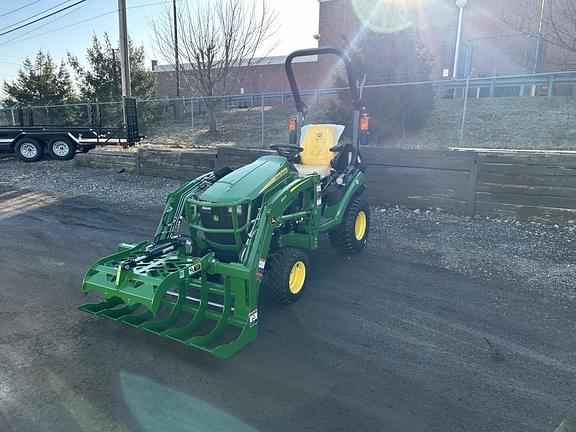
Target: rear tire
<point>29,149</point>
<point>62,148</point>
<point>286,274</point>
<point>351,235</point>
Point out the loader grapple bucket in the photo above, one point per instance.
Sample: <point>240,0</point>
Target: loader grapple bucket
<point>174,297</point>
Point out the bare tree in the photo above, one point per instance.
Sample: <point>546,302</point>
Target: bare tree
<point>556,26</point>
<point>216,39</point>
<point>561,19</point>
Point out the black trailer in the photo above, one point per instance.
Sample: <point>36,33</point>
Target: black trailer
<point>31,143</point>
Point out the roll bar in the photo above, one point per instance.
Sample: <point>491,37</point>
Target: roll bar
<point>354,93</point>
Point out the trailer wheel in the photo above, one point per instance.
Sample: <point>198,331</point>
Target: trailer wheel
<point>29,149</point>
<point>286,274</point>
<point>62,148</point>
<point>351,235</point>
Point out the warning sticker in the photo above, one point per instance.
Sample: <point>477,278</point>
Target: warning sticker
<point>259,275</point>
<point>194,268</point>
<point>253,318</point>
<point>260,269</point>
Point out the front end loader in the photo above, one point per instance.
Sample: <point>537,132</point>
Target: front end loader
<point>227,233</point>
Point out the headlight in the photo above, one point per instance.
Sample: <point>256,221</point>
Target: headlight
<point>239,209</point>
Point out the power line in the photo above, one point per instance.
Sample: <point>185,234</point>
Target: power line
<point>42,18</point>
<point>16,38</point>
<point>19,8</point>
<point>87,20</point>
<point>35,15</point>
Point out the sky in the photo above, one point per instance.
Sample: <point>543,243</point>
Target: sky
<point>72,30</point>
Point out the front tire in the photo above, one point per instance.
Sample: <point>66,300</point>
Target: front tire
<point>286,274</point>
<point>29,149</point>
<point>62,148</point>
<point>351,235</point>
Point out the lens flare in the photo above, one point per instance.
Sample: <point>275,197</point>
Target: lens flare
<point>382,16</point>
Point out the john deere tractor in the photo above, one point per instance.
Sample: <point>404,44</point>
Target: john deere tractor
<point>227,233</point>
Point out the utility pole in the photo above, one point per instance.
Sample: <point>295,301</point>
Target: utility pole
<point>124,60</point>
<point>176,59</point>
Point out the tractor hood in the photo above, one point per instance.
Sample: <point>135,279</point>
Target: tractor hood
<point>249,181</point>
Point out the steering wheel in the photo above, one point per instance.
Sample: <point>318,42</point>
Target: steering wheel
<point>289,151</point>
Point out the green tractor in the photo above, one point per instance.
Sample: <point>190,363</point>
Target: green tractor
<point>228,232</point>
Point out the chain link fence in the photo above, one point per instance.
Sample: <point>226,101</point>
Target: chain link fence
<point>513,111</point>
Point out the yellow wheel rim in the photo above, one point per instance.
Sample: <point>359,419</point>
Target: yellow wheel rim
<point>360,225</point>
<point>297,277</point>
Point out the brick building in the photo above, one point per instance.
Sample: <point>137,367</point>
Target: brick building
<point>506,37</point>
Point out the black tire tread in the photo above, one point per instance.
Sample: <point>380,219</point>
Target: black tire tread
<point>278,270</point>
<point>72,145</point>
<point>36,141</point>
<point>342,237</point>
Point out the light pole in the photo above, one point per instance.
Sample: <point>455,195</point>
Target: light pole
<point>461,4</point>
<point>539,36</point>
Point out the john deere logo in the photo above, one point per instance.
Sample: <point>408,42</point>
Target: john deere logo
<point>215,218</point>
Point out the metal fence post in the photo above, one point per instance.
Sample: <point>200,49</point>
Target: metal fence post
<point>465,103</point>
<point>192,112</point>
<point>496,56</point>
<point>464,108</point>
<point>262,118</point>
<point>89,115</point>
<point>551,85</point>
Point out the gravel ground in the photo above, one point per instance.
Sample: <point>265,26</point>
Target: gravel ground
<point>541,257</point>
<point>66,178</point>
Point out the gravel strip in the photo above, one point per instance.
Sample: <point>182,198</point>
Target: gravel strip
<point>127,191</point>
<point>541,258</point>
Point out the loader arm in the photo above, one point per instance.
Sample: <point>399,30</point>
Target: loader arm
<point>174,209</point>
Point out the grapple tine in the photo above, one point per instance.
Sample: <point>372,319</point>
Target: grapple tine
<point>96,308</point>
<point>120,312</point>
<point>248,334</point>
<point>161,325</point>
<point>180,333</point>
<point>203,340</point>
<point>137,320</point>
